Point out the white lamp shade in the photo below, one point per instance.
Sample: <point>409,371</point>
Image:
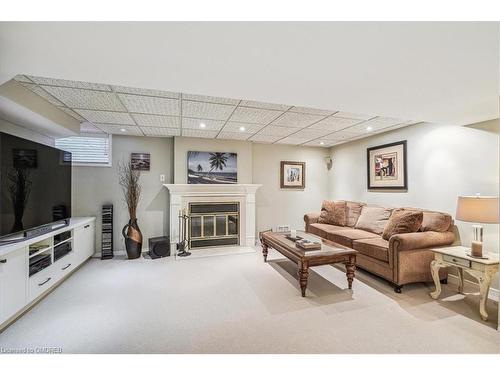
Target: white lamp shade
<point>478,209</point>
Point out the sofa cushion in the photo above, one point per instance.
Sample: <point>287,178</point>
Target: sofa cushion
<point>402,221</point>
<point>377,248</point>
<point>436,222</point>
<point>347,235</point>
<point>373,219</point>
<point>353,212</point>
<point>333,212</point>
<point>322,230</point>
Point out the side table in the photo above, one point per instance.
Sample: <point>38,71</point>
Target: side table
<point>482,269</point>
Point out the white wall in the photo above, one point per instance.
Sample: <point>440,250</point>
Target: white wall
<point>286,206</point>
<point>94,186</point>
<point>443,162</point>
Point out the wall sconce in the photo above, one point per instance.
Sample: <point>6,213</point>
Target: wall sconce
<point>329,162</point>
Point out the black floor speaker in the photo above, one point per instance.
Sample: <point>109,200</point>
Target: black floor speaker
<point>159,247</point>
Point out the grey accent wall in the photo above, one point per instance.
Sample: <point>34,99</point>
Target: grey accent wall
<point>94,186</point>
<point>277,206</point>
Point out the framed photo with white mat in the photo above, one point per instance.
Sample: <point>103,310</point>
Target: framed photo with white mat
<point>387,167</point>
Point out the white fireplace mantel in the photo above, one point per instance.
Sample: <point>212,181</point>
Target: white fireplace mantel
<point>182,194</point>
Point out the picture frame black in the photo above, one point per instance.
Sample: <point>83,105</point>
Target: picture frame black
<point>370,150</point>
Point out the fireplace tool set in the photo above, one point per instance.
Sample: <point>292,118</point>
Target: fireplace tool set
<point>182,245</point>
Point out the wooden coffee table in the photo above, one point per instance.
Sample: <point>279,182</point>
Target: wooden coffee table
<point>330,253</point>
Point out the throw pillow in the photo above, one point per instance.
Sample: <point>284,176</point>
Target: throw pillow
<point>333,212</point>
<point>353,212</point>
<point>403,221</point>
<point>373,219</point>
<point>435,221</point>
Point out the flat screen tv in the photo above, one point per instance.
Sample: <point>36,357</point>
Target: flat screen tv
<point>35,187</point>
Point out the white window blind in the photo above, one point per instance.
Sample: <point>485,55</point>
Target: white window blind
<point>87,149</point>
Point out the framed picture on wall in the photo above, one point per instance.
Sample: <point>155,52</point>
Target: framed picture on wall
<point>292,175</point>
<point>212,167</point>
<point>386,166</point>
<point>141,161</point>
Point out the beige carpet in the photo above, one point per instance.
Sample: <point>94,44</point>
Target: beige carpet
<point>238,304</point>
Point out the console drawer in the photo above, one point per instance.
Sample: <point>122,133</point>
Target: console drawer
<point>458,261</point>
<point>42,281</point>
<point>65,265</point>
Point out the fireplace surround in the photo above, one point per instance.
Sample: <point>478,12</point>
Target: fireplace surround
<point>193,198</point>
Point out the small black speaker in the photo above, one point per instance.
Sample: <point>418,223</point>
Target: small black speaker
<point>159,247</point>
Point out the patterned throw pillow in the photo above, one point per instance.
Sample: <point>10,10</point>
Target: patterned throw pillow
<point>333,212</point>
<point>403,221</point>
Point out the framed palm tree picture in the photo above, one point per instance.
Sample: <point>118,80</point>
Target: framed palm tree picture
<point>212,167</point>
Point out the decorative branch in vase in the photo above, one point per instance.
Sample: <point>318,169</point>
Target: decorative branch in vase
<point>129,182</point>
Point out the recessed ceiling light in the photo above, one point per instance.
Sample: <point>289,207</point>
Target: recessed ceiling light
<point>203,125</point>
<point>242,129</point>
<point>369,128</point>
<point>321,143</point>
<point>123,130</point>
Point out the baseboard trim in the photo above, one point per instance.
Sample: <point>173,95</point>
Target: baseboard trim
<point>494,294</point>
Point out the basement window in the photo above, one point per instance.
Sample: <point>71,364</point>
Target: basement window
<point>88,150</point>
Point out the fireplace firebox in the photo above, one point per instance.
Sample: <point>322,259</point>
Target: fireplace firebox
<point>214,224</point>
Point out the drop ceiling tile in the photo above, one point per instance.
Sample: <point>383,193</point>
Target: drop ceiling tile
<point>255,115</point>
<point>234,127</point>
<point>312,111</point>
<point>279,131</point>
<point>22,78</point>
<point>264,138</point>
<point>106,117</point>
<point>210,99</point>
<point>67,83</point>
<point>41,92</point>
<point>241,136</point>
<point>335,123</point>
<point>86,99</point>
<point>119,129</point>
<point>297,120</point>
<point>357,116</point>
<point>199,133</point>
<point>156,120</point>
<point>72,113</point>
<point>194,123</point>
<point>151,105</point>
<point>206,110</point>
<point>291,141</point>
<point>87,127</point>
<point>161,132</point>
<point>309,134</point>
<point>341,135</point>
<point>375,124</point>
<point>263,105</point>
<point>147,92</point>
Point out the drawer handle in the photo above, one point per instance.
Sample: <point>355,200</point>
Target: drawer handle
<point>69,265</point>
<point>45,282</point>
<point>86,226</point>
<point>3,261</point>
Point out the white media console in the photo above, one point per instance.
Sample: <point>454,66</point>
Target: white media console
<point>30,269</point>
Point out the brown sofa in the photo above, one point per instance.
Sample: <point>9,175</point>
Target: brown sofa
<point>403,258</point>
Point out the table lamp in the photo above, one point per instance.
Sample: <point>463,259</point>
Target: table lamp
<point>478,210</point>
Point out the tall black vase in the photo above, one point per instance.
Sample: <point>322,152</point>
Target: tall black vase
<point>133,239</point>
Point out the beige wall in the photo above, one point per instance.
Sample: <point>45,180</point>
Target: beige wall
<point>283,206</point>
<point>443,162</point>
<point>94,186</point>
<point>184,144</point>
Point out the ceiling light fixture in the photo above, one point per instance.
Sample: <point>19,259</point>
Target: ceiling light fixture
<point>123,130</point>
<point>203,125</point>
<point>369,128</point>
<point>242,129</point>
<point>321,143</point>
